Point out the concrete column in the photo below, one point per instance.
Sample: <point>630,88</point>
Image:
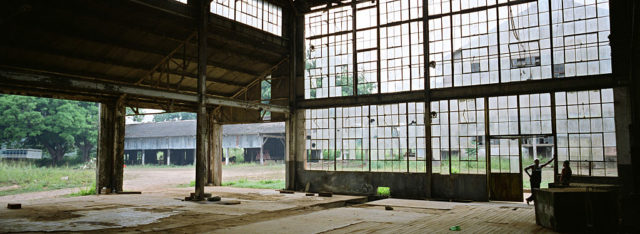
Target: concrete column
<point>295,151</point>
<point>215,155</point>
<point>168,157</point>
<point>202,13</point>
<point>262,150</point>
<point>534,145</point>
<point>226,156</point>
<point>109,168</point>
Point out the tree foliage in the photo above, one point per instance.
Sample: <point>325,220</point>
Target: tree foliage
<point>136,118</point>
<point>174,116</point>
<point>343,79</point>
<point>57,126</point>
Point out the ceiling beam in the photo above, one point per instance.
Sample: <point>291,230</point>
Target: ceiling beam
<point>51,81</point>
<point>111,62</point>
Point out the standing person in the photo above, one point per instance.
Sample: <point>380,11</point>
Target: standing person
<point>535,177</point>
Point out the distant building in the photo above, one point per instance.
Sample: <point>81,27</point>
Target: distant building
<point>174,142</point>
<point>21,153</point>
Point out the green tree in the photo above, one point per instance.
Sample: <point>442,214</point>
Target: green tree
<point>87,137</point>
<point>174,116</point>
<point>136,118</point>
<point>265,96</point>
<point>51,124</point>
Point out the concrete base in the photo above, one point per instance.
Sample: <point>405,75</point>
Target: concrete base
<point>577,209</point>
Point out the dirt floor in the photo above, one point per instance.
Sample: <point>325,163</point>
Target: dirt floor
<point>160,209</point>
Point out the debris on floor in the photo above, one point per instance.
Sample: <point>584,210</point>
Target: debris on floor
<point>129,192</point>
<point>229,202</point>
<point>325,194</point>
<point>455,228</point>
<point>388,207</point>
<point>310,194</point>
<point>286,191</point>
<point>14,206</point>
<point>215,198</point>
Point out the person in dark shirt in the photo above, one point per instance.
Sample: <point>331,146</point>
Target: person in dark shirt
<point>535,177</point>
<point>565,177</point>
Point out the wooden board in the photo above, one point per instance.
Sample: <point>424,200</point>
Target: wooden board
<point>506,187</point>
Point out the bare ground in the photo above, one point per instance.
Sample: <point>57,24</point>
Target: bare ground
<point>164,179</point>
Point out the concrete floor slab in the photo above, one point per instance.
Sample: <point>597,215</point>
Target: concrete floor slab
<point>156,211</point>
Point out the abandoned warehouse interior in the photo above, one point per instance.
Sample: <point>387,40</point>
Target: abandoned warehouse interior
<point>434,99</point>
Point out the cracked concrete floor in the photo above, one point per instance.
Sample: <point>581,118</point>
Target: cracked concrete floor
<point>160,209</point>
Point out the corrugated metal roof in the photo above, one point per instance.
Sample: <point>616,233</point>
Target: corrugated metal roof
<point>188,128</point>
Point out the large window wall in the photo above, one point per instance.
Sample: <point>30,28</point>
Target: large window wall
<point>469,43</point>
<point>377,47</point>
<point>391,137</point>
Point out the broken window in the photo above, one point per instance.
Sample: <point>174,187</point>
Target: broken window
<point>440,66</point>
<point>457,137</point>
<point>353,138</point>
<point>503,116</point>
<point>474,41</point>
<point>525,42</point>
<point>256,13</point>
<point>320,140</point>
<point>581,37</point>
<point>585,122</point>
<point>535,114</point>
<point>367,138</point>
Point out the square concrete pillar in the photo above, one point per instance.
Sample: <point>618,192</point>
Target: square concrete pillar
<point>294,148</point>
<point>214,168</point>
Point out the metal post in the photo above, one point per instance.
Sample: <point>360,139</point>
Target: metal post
<point>427,103</point>
<point>143,157</point>
<point>487,145</point>
<point>201,129</point>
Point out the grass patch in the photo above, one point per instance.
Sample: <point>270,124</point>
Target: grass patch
<point>384,191</point>
<point>268,165</point>
<point>261,184</point>
<point>245,183</point>
<point>90,190</point>
<point>158,166</point>
<point>190,184</point>
<point>30,178</point>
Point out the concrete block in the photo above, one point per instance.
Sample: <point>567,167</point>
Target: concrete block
<point>14,206</point>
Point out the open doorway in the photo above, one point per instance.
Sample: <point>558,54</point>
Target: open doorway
<point>159,150</point>
<point>254,155</point>
<point>47,147</point>
<point>510,155</point>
